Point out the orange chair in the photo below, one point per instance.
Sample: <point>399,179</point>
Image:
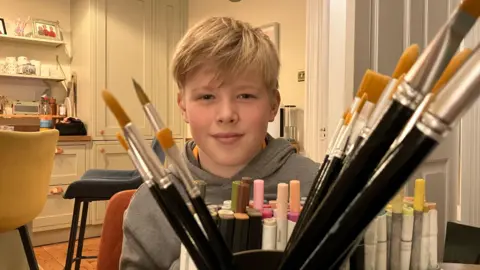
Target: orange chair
<point>112,232</point>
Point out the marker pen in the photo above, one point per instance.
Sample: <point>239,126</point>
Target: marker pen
<point>381,256</point>
<point>294,200</point>
<point>281,215</point>
<point>184,258</point>
<point>433,252</point>
<point>292,221</point>
<point>240,235</point>
<point>234,197</point>
<point>226,226</point>
<point>242,198</point>
<point>370,245</point>
<point>254,230</point>
<point>294,196</point>
<point>258,194</point>
<point>419,200</point>
<point>269,234</point>
<point>267,213</point>
<point>396,233</point>
<point>407,234</point>
<point>425,245</point>
<point>227,205</point>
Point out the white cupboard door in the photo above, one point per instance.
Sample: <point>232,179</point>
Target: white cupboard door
<point>124,50</point>
<point>171,24</point>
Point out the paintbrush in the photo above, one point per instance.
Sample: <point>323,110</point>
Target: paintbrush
<point>417,83</point>
<point>165,139</point>
<point>404,64</point>
<point>335,164</point>
<point>406,60</point>
<point>164,192</point>
<point>458,95</point>
<point>372,84</point>
<point>456,62</point>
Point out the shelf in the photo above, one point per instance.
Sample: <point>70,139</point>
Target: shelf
<point>28,116</point>
<point>34,77</point>
<point>37,41</point>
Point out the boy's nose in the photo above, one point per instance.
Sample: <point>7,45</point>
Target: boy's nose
<point>227,113</point>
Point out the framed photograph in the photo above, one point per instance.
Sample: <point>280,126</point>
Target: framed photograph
<point>3,27</point>
<point>46,29</point>
<point>272,31</point>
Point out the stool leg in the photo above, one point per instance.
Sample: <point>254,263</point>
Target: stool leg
<point>73,235</point>
<point>28,248</point>
<point>81,235</point>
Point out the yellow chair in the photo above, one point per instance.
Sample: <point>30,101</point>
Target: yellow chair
<point>26,163</point>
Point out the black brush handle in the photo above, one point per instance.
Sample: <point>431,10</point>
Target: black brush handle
<point>188,234</point>
<point>222,251</point>
<point>352,179</point>
<point>331,171</point>
<point>383,186</point>
<point>307,204</point>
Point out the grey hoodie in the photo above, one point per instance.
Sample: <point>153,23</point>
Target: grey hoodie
<point>149,242</point>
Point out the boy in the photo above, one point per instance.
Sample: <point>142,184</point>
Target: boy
<point>227,73</point>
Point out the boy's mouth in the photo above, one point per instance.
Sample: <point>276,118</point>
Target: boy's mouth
<point>227,138</point>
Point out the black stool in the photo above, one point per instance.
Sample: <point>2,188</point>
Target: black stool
<point>97,185</point>
<point>89,189</point>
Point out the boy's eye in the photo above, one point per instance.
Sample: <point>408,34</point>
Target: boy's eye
<point>206,97</point>
<point>246,96</point>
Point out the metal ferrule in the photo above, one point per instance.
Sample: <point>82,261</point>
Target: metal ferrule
<point>152,163</point>
<point>331,144</point>
<point>382,104</point>
<point>139,164</point>
<point>458,95</point>
<point>427,69</point>
<point>339,149</point>
<point>408,96</point>
<point>153,117</point>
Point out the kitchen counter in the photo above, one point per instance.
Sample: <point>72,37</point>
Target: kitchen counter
<point>75,138</point>
<point>457,266</point>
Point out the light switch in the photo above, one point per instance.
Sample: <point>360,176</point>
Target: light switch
<point>301,76</point>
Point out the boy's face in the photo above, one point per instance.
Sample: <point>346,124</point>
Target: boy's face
<point>228,120</point>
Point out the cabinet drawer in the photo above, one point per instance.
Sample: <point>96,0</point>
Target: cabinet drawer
<point>57,212</point>
<point>69,165</point>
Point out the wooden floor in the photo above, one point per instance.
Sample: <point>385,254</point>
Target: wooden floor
<point>52,257</point>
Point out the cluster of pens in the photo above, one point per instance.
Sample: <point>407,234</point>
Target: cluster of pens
<point>254,224</point>
<point>403,235</point>
<point>392,126</point>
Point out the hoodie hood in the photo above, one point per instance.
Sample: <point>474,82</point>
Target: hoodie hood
<point>264,164</point>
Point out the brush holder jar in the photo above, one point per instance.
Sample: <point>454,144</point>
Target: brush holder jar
<point>257,259</point>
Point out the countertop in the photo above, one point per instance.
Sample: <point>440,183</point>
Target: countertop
<point>456,266</point>
<point>75,138</point>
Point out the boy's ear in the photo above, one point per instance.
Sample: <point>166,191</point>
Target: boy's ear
<point>181,105</point>
<point>275,105</point>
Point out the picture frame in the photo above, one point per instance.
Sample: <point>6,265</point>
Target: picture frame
<point>44,29</point>
<point>272,30</point>
<point>3,27</point>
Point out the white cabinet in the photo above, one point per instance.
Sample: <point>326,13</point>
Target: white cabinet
<point>116,41</point>
<point>69,165</point>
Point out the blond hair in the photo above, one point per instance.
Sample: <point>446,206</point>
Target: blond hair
<point>232,46</point>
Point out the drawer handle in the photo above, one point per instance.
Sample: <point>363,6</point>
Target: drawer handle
<point>102,150</point>
<point>102,132</point>
<point>58,151</point>
<point>56,191</point>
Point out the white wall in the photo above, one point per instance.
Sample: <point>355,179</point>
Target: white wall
<point>291,15</point>
<point>52,10</point>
